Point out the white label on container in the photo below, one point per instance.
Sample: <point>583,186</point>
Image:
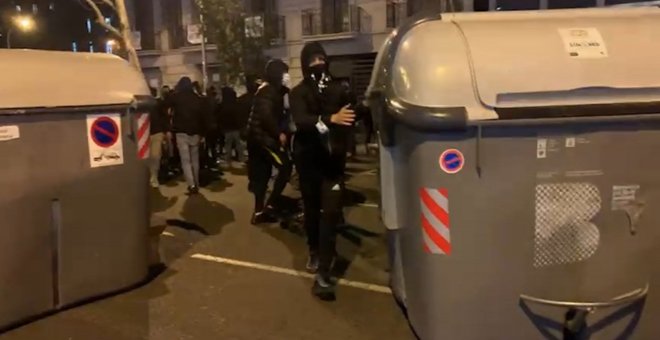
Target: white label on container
<point>583,43</point>
<point>9,132</point>
<point>570,142</point>
<point>623,195</point>
<point>541,148</point>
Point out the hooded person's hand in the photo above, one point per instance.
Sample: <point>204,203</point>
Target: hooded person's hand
<point>345,116</point>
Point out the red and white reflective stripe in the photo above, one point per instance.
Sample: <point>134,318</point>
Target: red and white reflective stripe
<point>143,135</point>
<point>435,220</point>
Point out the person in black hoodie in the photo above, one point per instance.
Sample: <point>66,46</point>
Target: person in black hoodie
<point>266,143</point>
<point>323,120</point>
<point>189,121</point>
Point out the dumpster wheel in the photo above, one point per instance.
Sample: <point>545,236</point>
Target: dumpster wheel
<point>575,319</point>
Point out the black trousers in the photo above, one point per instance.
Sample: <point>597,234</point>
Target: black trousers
<point>261,161</point>
<point>322,204</point>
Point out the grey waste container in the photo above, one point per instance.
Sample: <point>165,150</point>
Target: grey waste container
<point>73,204</point>
<point>518,173</point>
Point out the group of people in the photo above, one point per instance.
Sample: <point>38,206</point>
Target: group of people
<point>194,128</point>
<point>307,126</point>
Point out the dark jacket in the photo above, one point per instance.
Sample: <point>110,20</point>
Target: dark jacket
<point>308,106</point>
<point>244,103</point>
<point>229,113</point>
<point>267,112</point>
<point>190,114</point>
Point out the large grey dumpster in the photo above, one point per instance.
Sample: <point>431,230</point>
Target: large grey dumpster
<point>519,174</point>
<point>73,204</point>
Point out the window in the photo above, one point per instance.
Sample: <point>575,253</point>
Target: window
<point>144,23</point>
<point>91,47</point>
<point>35,8</point>
<point>413,7</point>
<point>89,25</point>
<point>74,47</point>
<point>335,16</point>
<point>172,17</point>
<point>571,3</point>
<point>513,5</point>
<point>396,12</point>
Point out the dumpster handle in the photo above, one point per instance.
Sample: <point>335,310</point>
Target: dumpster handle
<point>626,298</point>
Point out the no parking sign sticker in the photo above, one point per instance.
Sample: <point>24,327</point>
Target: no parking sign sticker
<point>451,161</point>
<point>104,140</point>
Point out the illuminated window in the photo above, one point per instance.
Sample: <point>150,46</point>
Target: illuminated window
<point>91,47</point>
<point>35,8</point>
<point>74,47</point>
<point>89,26</point>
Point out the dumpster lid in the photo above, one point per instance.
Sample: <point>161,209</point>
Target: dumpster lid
<point>564,57</point>
<point>43,79</point>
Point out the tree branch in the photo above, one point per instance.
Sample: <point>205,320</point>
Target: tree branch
<point>110,4</point>
<point>100,18</point>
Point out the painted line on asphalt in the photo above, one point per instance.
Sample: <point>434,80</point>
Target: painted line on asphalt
<point>291,272</point>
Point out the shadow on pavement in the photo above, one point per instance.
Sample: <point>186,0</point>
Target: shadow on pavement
<point>200,218</point>
<point>205,216</point>
<point>218,185</point>
<point>159,202</point>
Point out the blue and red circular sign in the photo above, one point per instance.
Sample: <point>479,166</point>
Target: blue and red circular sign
<point>104,132</point>
<point>452,161</point>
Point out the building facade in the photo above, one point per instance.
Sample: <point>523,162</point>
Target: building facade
<point>352,31</point>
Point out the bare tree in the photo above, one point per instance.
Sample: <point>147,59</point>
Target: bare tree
<point>123,32</point>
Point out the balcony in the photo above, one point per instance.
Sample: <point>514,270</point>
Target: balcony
<point>397,12</point>
<point>340,22</point>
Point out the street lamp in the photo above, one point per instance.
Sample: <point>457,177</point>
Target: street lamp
<point>23,23</point>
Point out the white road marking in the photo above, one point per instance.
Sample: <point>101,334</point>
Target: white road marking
<point>368,205</point>
<point>291,272</point>
<point>167,233</point>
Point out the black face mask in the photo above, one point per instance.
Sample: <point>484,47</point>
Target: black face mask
<point>317,71</point>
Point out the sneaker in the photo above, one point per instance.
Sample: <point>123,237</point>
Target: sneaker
<point>312,265</point>
<point>193,190</point>
<point>262,218</point>
<point>324,289</point>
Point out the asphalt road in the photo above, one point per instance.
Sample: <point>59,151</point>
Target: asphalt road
<point>227,279</point>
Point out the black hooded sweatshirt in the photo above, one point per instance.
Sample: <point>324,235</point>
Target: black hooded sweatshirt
<point>309,105</point>
<point>267,112</point>
<point>190,115</point>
